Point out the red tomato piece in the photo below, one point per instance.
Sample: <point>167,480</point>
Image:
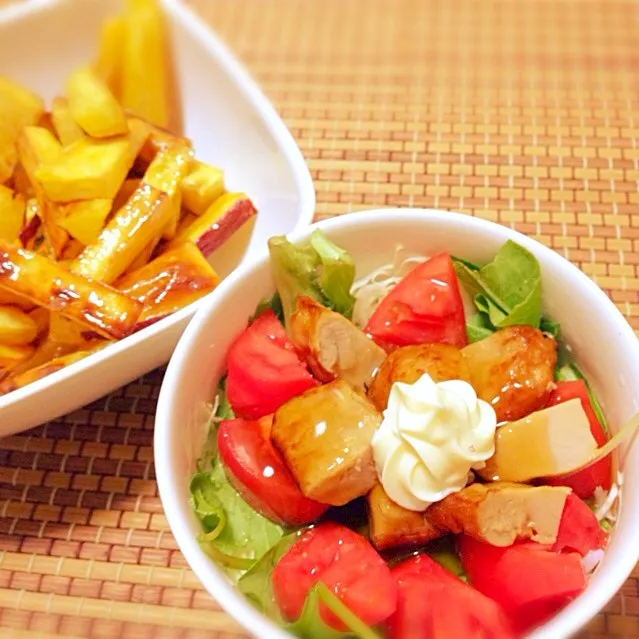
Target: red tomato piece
<point>425,307</point>
<point>434,604</point>
<point>347,564</point>
<point>257,471</point>
<point>579,529</point>
<point>583,482</point>
<point>264,369</point>
<point>530,583</point>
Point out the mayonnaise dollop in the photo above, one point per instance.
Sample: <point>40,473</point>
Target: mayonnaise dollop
<point>431,436</point>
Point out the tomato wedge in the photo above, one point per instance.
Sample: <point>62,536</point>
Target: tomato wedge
<point>528,581</point>
<point>264,369</point>
<point>434,604</point>
<point>579,529</point>
<point>583,482</point>
<point>347,564</point>
<point>258,473</point>
<point>424,307</point>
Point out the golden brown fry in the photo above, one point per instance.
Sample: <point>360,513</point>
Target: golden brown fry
<point>16,327</point>
<point>93,106</point>
<point>125,236</point>
<point>41,317</point>
<point>201,187</point>
<point>126,191</point>
<point>66,128</point>
<point>84,219</point>
<point>108,64</point>
<point>144,257</point>
<point>32,221</point>
<point>158,140</point>
<point>170,282</point>
<point>11,357</point>
<point>38,146</point>
<point>165,173</point>
<point>7,298</point>
<point>148,80</point>
<point>103,309</point>
<point>13,382</point>
<point>12,208</point>
<point>18,107</point>
<point>91,169</point>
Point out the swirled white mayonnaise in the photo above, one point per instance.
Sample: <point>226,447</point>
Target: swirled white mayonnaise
<point>431,436</point>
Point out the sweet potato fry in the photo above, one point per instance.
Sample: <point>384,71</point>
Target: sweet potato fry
<point>165,173</point>
<point>170,282</point>
<point>93,106</point>
<point>13,382</point>
<point>148,79</point>
<point>144,257</point>
<point>32,221</point>
<point>211,229</point>
<point>7,298</point>
<point>101,308</point>
<point>20,182</point>
<point>108,64</point>
<point>11,356</point>
<point>201,187</point>
<point>41,317</point>
<point>126,191</point>
<point>125,236</point>
<point>16,327</point>
<point>38,146</point>
<point>66,128</point>
<point>91,169</point>
<point>12,208</point>
<point>158,140</point>
<point>18,107</point>
<point>84,219</point>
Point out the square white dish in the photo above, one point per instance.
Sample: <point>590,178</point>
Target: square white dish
<point>232,126</point>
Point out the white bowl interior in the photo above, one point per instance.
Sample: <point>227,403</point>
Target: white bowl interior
<point>604,344</point>
<point>231,124</point>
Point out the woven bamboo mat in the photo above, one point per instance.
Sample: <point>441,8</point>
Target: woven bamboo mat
<point>524,113</point>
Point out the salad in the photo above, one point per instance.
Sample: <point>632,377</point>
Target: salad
<point>411,455</point>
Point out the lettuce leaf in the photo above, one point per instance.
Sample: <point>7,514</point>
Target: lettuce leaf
<point>316,268</point>
<point>235,535</point>
<point>568,371</point>
<point>444,553</point>
<point>274,304</point>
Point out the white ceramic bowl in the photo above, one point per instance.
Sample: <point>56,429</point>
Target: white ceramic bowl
<point>232,126</point>
<point>604,344</point>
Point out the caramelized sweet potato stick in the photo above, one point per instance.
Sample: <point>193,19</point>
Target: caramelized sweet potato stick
<point>170,282</point>
<point>18,108</point>
<point>108,64</point>
<point>103,309</point>
<point>89,169</point>
<point>93,105</point>
<point>66,128</point>
<point>13,382</point>
<point>38,146</point>
<point>11,214</point>
<point>125,236</point>
<point>148,79</point>
<point>165,173</point>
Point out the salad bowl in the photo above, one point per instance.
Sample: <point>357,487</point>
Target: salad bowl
<point>602,344</point>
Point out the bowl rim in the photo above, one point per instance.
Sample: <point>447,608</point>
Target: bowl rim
<point>211,577</point>
<point>238,75</point>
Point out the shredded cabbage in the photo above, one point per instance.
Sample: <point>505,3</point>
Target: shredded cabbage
<point>371,289</point>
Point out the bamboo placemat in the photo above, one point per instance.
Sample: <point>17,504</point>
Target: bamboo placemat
<point>521,112</point>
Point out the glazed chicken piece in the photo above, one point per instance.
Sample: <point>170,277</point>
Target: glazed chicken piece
<point>333,346</point>
<point>502,512</point>
<point>408,363</point>
<point>325,437</point>
<point>392,526</point>
<point>513,370</point>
